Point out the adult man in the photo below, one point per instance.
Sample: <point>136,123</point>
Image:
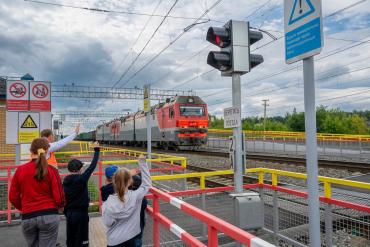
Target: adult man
<point>55,146</point>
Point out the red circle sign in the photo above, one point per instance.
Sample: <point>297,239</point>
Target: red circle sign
<point>40,91</point>
<point>17,90</point>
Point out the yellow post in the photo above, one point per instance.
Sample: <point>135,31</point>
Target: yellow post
<point>261,177</point>
<point>183,162</point>
<point>274,178</point>
<point>327,189</point>
<point>202,182</point>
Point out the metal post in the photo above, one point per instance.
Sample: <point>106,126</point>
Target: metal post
<point>17,154</point>
<point>237,132</point>
<point>311,152</point>
<point>275,223</point>
<point>328,225</point>
<point>148,122</point>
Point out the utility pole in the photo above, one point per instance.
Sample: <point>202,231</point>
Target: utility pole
<point>265,105</point>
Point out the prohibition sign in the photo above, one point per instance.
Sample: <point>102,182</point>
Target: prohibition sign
<point>17,90</point>
<point>40,91</point>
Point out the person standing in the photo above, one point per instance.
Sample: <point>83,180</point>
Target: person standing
<point>121,211</point>
<point>36,191</point>
<point>77,200</point>
<point>55,146</point>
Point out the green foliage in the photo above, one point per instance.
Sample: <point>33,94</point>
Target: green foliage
<point>334,121</point>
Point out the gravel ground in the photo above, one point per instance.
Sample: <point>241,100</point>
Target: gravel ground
<point>222,163</point>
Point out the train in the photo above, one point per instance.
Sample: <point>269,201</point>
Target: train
<point>178,123</point>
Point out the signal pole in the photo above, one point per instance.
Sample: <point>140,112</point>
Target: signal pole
<point>237,133</point>
<point>265,105</point>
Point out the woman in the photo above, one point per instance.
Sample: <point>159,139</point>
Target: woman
<point>121,211</point>
<point>36,190</point>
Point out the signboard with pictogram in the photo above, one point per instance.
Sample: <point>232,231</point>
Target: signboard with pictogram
<point>40,96</point>
<point>17,95</point>
<point>28,126</point>
<point>28,110</point>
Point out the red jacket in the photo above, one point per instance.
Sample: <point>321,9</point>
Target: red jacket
<point>29,195</point>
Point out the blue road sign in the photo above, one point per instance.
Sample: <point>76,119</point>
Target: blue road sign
<point>303,29</point>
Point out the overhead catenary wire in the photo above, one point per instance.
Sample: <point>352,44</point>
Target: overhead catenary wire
<point>319,79</point>
<point>320,100</point>
<point>327,16</point>
<point>171,43</point>
<point>112,11</point>
<point>137,38</point>
<point>146,44</point>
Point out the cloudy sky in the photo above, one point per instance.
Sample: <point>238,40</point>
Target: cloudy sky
<point>68,45</point>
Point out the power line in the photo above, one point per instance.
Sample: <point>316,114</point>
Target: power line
<point>323,99</point>
<point>171,43</point>
<point>146,44</point>
<point>328,16</point>
<point>319,79</point>
<point>137,38</point>
<point>111,11</point>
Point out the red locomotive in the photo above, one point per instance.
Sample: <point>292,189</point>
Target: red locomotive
<point>180,123</point>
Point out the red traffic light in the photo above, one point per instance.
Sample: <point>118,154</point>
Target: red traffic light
<point>219,36</point>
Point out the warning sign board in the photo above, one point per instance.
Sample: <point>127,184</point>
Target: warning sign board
<point>28,126</point>
<point>40,96</point>
<point>20,126</point>
<point>29,123</point>
<point>17,95</point>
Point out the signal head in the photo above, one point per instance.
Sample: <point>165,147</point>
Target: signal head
<point>219,36</point>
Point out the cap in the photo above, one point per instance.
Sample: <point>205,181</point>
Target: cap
<point>75,165</point>
<point>110,170</point>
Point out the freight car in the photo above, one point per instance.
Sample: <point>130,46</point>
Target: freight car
<point>179,123</point>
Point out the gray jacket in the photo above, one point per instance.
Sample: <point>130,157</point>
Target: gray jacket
<point>123,219</point>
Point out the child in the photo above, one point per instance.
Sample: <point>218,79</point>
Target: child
<point>120,213</point>
<point>77,198</point>
<point>108,188</point>
<point>36,191</point>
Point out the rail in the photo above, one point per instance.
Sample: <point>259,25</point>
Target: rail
<point>298,135</point>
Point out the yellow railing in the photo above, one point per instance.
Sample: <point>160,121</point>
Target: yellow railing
<point>327,181</point>
<point>299,135</point>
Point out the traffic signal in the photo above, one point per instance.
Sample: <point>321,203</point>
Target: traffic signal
<point>234,39</point>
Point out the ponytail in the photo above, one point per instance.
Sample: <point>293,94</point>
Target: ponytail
<point>39,147</point>
<point>121,181</point>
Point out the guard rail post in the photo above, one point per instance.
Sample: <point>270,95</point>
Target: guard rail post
<point>100,184</point>
<point>328,217</point>
<point>202,184</point>
<point>212,236</point>
<point>9,206</point>
<point>275,209</point>
<point>156,223</point>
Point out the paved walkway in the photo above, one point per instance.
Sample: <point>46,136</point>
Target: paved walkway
<point>12,235</point>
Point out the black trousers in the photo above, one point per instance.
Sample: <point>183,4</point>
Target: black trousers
<point>77,228</point>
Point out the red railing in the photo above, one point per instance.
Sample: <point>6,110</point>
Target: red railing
<point>215,225</point>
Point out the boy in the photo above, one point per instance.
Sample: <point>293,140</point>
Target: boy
<point>77,200</point>
<point>108,189</point>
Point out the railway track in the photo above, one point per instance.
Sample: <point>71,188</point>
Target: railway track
<point>323,163</point>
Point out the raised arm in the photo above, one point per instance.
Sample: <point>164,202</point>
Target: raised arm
<point>55,146</point>
<point>87,173</point>
<point>145,177</point>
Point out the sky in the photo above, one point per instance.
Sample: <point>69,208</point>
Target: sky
<point>68,45</point>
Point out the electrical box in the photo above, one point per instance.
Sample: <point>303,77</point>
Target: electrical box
<point>248,210</point>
